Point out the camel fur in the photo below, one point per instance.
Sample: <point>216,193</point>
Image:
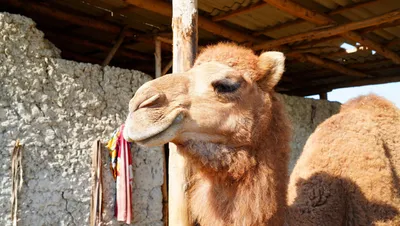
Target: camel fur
<point>227,122</point>
<point>349,171</point>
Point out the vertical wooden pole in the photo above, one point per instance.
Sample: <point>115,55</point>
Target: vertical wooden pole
<point>184,26</point>
<point>157,56</point>
<point>323,96</point>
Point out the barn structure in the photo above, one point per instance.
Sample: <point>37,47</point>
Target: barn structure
<point>63,85</point>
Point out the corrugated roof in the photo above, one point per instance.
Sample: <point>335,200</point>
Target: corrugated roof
<point>146,23</point>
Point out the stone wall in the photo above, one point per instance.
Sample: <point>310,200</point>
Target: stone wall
<point>58,108</point>
<point>305,114</point>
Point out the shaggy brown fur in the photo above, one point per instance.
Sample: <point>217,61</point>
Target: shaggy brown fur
<point>348,173</point>
<point>237,142</point>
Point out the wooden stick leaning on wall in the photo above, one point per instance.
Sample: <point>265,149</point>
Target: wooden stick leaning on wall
<point>17,179</point>
<point>96,202</point>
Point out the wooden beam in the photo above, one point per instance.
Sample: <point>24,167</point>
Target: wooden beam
<point>185,38</point>
<point>315,49</point>
<point>164,40</point>
<point>327,64</point>
<point>97,45</point>
<point>84,21</point>
<point>295,22</point>
<point>116,46</point>
<point>315,42</point>
<point>352,6</point>
<point>298,22</point>
<point>382,50</point>
<point>323,96</point>
<point>299,11</point>
<point>328,32</point>
<point>352,83</point>
<point>239,11</point>
<point>381,26</point>
<point>393,42</point>
<point>157,57</point>
<point>167,67</point>
<point>165,9</point>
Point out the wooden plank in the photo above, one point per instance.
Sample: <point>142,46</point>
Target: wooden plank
<point>116,46</point>
<point>239,11</point>
<point>328,32</point>
<point>164,8</point>
<point>299,11</point>
<point>185,35</point>
<point>382,50</point>
<point>157,57</point>
<point>327,64</point>
<point>352,6</point>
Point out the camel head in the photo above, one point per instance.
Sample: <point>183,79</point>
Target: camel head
<point>223,99</point>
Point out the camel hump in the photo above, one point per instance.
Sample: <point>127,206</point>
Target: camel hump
<point>371,103</point>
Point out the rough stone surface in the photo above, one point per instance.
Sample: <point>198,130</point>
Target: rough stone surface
<point>305,114</point>
<point>58,108</point>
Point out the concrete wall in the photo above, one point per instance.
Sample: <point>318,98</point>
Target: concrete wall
<point>58,108</point>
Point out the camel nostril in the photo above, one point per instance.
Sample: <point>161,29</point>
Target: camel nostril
<point>150,101</point>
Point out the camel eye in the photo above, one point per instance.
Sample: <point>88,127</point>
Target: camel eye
<point>225,86</point>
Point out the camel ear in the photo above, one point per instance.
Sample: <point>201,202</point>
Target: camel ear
<point>272,65</point>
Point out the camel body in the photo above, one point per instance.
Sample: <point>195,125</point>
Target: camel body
<point>226,121</point>
<point>349,171</point>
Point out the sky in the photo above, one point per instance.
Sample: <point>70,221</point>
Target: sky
<point>390,91</point>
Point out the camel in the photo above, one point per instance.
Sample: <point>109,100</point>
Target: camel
<point>349,170</point>
<point>227,122</point>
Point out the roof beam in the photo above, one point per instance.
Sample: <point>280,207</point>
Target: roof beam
<point>100,46</point>
<point>239,11</point>
<point>116,46</point>
<point>328,32</point>
<point>165,9</point>
<point>327,64</point>
<point>353,83</point>
<point>84,21</point>
<point>300,21</point>
<point>382,50</point>
<point>299,11</point>
<point>352,6</point>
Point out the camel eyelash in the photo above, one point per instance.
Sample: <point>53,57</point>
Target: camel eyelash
<point>226,86</point>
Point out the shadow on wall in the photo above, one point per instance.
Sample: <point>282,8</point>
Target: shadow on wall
<point>327,200</point>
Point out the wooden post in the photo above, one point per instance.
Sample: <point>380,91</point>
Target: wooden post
<point>184,26</point>
<point>157,56</point>
<point>323,96</point>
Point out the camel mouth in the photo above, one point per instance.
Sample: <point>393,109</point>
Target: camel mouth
<point>156,134</point>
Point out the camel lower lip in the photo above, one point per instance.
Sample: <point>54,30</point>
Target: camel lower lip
<point>144,139</point>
